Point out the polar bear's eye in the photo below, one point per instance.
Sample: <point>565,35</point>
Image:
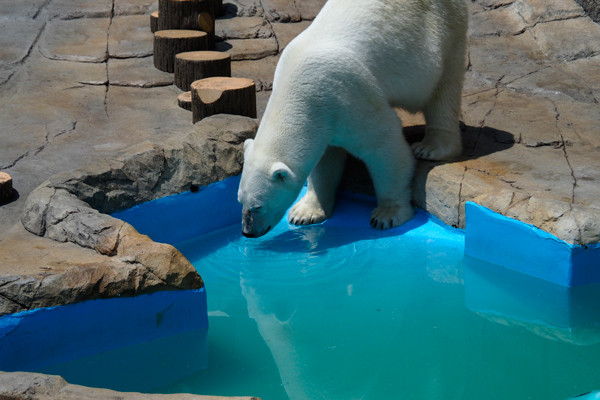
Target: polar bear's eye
<point>255,209</point>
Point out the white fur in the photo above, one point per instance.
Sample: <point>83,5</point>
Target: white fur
<point>335,88</point>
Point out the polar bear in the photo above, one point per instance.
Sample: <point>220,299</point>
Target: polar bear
<point>334,91</point>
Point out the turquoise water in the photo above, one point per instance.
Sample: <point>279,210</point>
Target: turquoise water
<point>342,311</point>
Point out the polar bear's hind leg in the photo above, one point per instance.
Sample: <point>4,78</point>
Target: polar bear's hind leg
<point>318,202</point>
<point>442,139</point>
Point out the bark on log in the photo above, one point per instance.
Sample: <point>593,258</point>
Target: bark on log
<point>154,21</point>
<point>188,14</point>
<point>221,95</point>
<point>184,100</point>
<point>194,65</point>
<point>6,189</point>
<point>171,42</point>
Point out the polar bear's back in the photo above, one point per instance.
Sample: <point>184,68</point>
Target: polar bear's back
<point>406,44</point>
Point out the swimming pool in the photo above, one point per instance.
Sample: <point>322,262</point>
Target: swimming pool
<point>342,311</point>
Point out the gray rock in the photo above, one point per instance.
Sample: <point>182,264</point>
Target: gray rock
<point>260,71</point>
<point>130,36</point>
<point>81,40</point>
<point>249,49</point>
<point>33,386</point>
<point>17,39</point>
<point>136,72</point>
<point>281,10</point>
<point>243,28</point>
<point>78,9</point>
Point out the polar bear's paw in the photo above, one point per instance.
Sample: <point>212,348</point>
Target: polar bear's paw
<point>306,212</point>
<point>437,147</point>
<point>390,217</point>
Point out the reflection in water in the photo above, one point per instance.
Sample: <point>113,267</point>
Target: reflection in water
<point>552,311</point>
<point>348,312</point>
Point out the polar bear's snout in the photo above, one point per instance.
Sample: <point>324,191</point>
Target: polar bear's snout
<point>252,224</point>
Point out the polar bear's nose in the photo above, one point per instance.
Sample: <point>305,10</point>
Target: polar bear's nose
<point>250,227</point>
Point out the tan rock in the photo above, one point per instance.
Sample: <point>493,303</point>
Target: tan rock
<point>567,40</point>
<point>535,11</point>
<point>502,21</point>
<point>33,386</point>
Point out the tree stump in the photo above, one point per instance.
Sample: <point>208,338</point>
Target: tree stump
<point>6,188</point>
<point>171,42</point>
<point>223,95</point>
<point>188,14</point>
<point>194,65</point>
<point>154,21</point>
<point>184,100</point>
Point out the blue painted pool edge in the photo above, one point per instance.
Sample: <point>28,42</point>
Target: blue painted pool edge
<point>513,244</point>
<point>96,326</point>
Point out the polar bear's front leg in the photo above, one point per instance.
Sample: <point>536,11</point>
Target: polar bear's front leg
<point>391,169</point>
<point>317,204</point>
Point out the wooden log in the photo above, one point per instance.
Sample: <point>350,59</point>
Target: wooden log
<point>184,100</point>
<point>171,42</point>
<point>188,14</point>
<point>223,95</point>
<point>154,21</point>
<point>6,189</point>
<point>194,65</point>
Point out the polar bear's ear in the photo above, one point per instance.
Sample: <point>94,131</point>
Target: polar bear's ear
<point>248,144</point>
<point>280,171</point>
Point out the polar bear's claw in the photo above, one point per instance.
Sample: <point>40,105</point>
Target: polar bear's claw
<point>390,217</point>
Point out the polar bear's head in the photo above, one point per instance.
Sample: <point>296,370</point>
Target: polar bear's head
<point>267,189</point>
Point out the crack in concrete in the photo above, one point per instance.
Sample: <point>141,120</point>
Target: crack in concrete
<point>574,178</point>
<point>112,15</point>
<point>42,147</point>
<point>540,22</point>
<point>19,158</point>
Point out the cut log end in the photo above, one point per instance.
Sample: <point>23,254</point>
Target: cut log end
<point>223,95</point>
<point>170,42</point>
<point>188,14</point>
<point>194,65</point>
<point>184,100</point>
<point>6,188</point>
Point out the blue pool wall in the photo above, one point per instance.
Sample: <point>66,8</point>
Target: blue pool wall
<point>189,214</point>
<point>89,332</point>
<point>489,236</point>
<point>513,244</point>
